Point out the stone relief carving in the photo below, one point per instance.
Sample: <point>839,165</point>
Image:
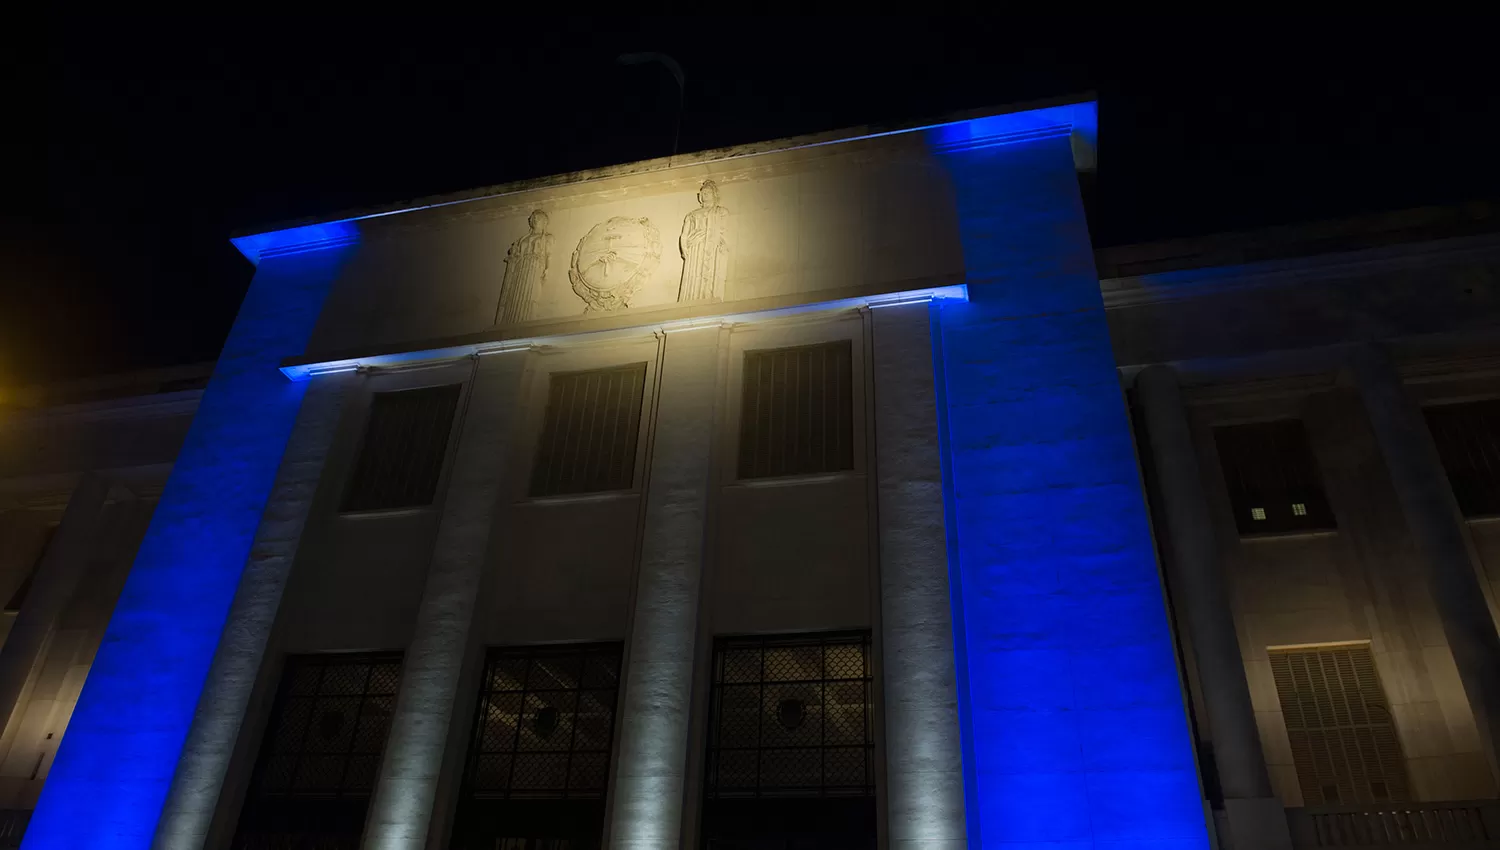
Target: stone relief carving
<point>705,248</point>
<point>525,271</point>
<point>613,260</point>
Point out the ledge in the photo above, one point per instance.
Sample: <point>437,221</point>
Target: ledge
<point>439,351</point>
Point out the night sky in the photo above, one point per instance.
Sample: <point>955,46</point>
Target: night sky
<point>143,145</point>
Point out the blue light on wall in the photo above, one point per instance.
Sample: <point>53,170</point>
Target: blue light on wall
<point>1076,733</point>
<point>108,783</point>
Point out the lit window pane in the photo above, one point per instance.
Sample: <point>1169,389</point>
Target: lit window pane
<point>1257,513</point>
<point>1299,509</point>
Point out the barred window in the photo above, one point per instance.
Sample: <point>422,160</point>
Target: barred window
<point>1273,480</point>
<point>797,411</point>
<point>538,761</point>
<point>590,432</point>
<point>546,720</point>
<point>401,456</point>
<point>791,717</point>
<point>1344,743</point>
<point>328,732</point>
<point>1468,441</point>
<point>321,753</point>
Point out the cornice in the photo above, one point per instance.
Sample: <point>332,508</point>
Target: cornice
<point>1162,287</point>
<point>977,128</point>
<point>155,406</point>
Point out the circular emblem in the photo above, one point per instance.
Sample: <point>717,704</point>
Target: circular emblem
<point>613,260</point>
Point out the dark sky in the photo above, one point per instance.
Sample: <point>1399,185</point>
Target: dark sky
<point>143,144</point>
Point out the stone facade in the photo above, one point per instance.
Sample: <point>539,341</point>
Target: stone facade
<point>1063,653</point>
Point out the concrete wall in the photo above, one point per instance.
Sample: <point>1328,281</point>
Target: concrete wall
<point>1360,582</point>
<point>130,441</point>
<point>358,577</point>
<point>804,225</point>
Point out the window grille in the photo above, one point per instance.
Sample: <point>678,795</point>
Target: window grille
<point>590,432</point>
<point>1468,441</point>
<point>791,717</point>
<point>321,752</point>
<point>401,456</point>
<point>797,410</point>
<point>1344,743</point>
<point>538,762</point>
<point>546,721</point>
<point>1273,480</point>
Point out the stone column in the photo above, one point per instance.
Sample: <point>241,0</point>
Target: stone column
<point>1438,529</point>
<point>647,793</point>
<point>1256,817</point>
<point>57,576</point>
<point>194,793</point>
<point>401,807</point>
<point>924,755</point>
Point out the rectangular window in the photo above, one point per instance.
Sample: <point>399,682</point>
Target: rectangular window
<point>791,745</point>
<point>322,750</point>
<point>797,411</point>
<point>1468,441</point>
<point>1343,741</point>
<point>590,432</point>
<point>538,762</point>
<point>1273,481</point>
<point>401,456</point>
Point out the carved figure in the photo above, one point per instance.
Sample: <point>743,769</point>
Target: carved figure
<point>525,271</point>
<point>613,260</point>
<point>705,248</point>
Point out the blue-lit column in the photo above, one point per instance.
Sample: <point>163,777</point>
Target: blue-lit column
<point>401,807</point>
<point>194,794</point>
<point>923,751</point>
<point>112,772</point>
<point>1079,735</point>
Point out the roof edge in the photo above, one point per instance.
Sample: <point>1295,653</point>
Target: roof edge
<point>1077,114</point>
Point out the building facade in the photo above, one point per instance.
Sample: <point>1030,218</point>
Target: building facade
<point>820,493</point>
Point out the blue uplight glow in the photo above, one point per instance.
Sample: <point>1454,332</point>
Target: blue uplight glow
<point>108,783</point>
<point>292,240</point>
<point>1075,727</point>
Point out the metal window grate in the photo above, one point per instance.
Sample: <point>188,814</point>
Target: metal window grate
<point>1468,441</point>
<point>401,458</point>
<point>546,722</point>
<point>796,416</point>
<point>590,432</point>
<point>791,717</point>
<point>1344,743</point>
<point>1273,480</point>
<point>328,730</point>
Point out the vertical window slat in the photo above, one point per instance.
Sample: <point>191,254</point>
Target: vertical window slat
<point>401,456</point>
<point>1468,443</point>
<point>1273,480</point>
<point>589,432</point>
<point>1344,743</point>
<point>796,411</point>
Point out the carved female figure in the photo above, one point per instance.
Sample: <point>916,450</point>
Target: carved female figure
<point>525,270</point>
<point>705,248</point>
